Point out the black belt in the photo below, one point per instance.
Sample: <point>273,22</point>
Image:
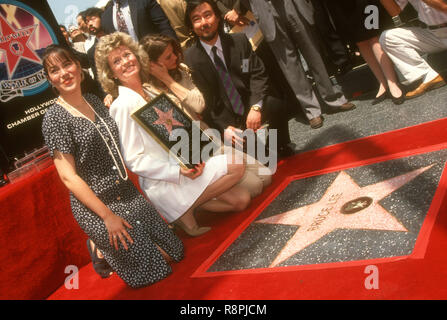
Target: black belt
<point>439,26</point>
<point>420,24</point>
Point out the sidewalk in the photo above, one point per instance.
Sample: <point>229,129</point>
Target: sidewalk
<point>366,119</point>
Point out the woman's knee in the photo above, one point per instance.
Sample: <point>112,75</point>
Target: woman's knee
<point>241,200</point>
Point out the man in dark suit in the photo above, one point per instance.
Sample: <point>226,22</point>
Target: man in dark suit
<point>287,28</point>
<point>136,18</point>
<point>232,78</point>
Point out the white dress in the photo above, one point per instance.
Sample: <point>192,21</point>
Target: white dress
<point>160,179</point>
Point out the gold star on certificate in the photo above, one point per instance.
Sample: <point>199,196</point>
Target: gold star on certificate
<point>345,205</point>
<point>166,119</point>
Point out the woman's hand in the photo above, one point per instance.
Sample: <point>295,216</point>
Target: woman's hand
<point>116,226</point>
<point>232,136</point>
<point>194,172</point>
<point>108,100</point>
<point>160,72</point>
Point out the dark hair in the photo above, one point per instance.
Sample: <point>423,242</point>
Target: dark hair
<point>92,12</point>
<point>82,15</point>
<point>63,27</point>
<point>192,4</point>
<point>57,50</point>
<point>155,45</point>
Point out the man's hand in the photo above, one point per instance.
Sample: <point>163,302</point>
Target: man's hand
<point>253,120</point>
<point>235,18</point>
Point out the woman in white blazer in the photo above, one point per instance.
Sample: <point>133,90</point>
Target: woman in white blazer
<point>175,191</point>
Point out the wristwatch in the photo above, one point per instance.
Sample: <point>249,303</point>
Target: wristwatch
<point>256,107</point>
<point>397,21</point>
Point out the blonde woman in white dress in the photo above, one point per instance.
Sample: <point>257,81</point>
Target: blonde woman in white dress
<point>175,191</point>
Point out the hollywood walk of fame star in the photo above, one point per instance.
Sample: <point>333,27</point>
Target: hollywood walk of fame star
<point>14,42</point>
<point>166,119</point>
<point>320,218</point>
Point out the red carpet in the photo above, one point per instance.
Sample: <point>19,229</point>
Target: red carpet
<point>421,275</point>
<point>42,238</point>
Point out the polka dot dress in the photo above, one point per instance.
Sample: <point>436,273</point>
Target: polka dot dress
<point>143,263</point>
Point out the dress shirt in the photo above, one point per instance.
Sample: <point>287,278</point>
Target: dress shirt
<point>126,15</point>
<point>427,14</point>
<point>89,42</point>
<point>218,45</point>
<point>208,49</point>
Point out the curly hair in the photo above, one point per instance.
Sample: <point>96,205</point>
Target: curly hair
<point>105,46</point>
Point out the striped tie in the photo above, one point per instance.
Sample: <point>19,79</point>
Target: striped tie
<point>122,27</point>
<point>233,95</point>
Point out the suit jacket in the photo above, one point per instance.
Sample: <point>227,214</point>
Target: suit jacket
<point>175,11</point>
<point>147,18</point>
<point>227,5</point>
<point>265,14</point>
<point>251,85</point>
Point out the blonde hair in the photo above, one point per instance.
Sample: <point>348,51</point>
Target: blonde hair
<point>105,46</point>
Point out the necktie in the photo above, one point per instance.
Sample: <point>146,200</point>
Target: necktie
<point>122,27</point>
<point>230,89</point>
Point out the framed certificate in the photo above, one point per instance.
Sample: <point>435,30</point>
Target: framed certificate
<point>251,30</point>
<point>160,117</point>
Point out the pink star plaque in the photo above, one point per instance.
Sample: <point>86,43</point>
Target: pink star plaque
<point>345,205</point>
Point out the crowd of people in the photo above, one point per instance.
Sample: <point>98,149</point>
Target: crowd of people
<point>122,56</point>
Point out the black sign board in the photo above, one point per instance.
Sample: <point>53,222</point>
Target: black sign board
<point>26,29</point>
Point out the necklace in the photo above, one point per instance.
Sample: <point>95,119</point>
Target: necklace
<point>65,104</point>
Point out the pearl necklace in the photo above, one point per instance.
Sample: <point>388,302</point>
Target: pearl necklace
<point>65,104</point>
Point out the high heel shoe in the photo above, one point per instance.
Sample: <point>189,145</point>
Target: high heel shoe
<point>398,100</point>
<point>99,264</point>
<point>381,98</point>
<point>193,232</point>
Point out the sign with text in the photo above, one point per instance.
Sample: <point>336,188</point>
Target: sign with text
<point>26,29</point>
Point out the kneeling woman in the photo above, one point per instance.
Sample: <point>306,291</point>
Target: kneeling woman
<point>84,143</point>
<point>176,192</point>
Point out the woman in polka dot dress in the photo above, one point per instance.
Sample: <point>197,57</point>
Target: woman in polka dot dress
<point>84,143</point>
